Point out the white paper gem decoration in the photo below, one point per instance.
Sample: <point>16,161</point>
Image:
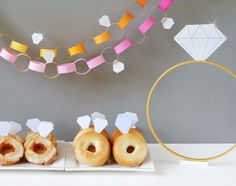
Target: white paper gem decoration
<point>105,21</point>
<point>123,123</point>
<point>97,115</point>
<point>15,127</point>
<point>167,22</point>
<point>49,56</point>
<point>5,128</point>
<point>45,128</point>
<point>132,117</point>
<point>37,38</point>
<point>200,41</point>
<point>100,124</point>
<point>118,66</point>
<point>84,121</point>
<point>33,124</point>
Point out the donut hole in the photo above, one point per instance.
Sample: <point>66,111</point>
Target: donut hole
<point>91,148</point>
<point>130,149</point>
<point>6,148</point>
<point>39,148</point>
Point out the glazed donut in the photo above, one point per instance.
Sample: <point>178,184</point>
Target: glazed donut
<point>129,150</point>
<point>91,148</point>
<point>40,150</point>
<point>11,149</point>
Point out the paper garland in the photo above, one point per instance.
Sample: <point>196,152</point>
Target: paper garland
<point>81,48</point>
<point>72,67</point>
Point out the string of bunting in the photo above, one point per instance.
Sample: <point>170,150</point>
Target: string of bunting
<point>73,67</point>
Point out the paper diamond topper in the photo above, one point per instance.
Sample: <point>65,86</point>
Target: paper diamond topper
<point>100,124</point>
<point>200,41</point>
<point>11,127</point>
<point>124,122</point>
<point>44,128</point>
<point>98,119</point>
<point>15,127</point>
<point>84,121</point>
<point>4,128</point>
<point>96,115</point>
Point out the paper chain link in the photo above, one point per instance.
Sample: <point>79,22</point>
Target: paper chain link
<point>71,67</point>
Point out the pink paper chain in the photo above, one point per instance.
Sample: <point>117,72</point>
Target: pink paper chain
<point>95,62</point>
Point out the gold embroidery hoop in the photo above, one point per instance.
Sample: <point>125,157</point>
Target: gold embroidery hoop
<point>156,136</point>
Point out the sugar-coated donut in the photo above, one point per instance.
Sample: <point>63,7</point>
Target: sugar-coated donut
<point>11,149</point>
<point>40,150</point>
<point>130,149</point>
<point>91,148</point>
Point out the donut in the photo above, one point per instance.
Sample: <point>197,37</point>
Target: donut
<point>40,150</point>
<point>31,135</point>
<point>129,150</point>
<point>92,148</point>
<point>90,129</point>
<point>11,149</point>
<point>118,133</point>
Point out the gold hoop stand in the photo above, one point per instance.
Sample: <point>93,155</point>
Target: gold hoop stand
<point>156,136</point>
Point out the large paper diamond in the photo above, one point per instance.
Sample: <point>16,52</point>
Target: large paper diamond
<point>200,41</point>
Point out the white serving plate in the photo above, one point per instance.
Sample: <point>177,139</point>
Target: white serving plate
<point>72,165</point>
<point>58,165</point>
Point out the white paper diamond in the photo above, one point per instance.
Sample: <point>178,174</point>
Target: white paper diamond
<point>45,128</point>
<point>100,124</point>
<point>132,117</point>
<point>15,127</point>
<point>118,66</point>
<point>5,128</point>
<point>33,124</point>
<point>105,21</point>
<point>200,41</point>
<point>167,22</point>
<point>96,115</point>
<point>123,123</point>
<point>49,56</point>
<point>84,121</point>
<point>37,38</point>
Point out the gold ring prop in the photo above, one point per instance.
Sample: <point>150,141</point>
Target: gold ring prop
<point>155,85</point>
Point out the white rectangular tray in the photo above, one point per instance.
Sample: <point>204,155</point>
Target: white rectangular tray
<point>72,165</point>
<point>58,165</point>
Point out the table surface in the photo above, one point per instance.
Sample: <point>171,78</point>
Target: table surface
<point>221,172</point>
